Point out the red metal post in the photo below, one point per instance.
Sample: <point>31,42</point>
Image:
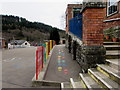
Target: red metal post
<point>39,60</point>
<point>36,64</point>
<point>42,52</point>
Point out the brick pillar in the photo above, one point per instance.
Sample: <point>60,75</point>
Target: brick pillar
<point>92,50</point>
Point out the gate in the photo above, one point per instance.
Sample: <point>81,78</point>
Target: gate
<point>75,26</point>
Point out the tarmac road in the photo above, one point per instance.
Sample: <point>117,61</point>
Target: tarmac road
<point>18,67</point>
<point>62,67</point>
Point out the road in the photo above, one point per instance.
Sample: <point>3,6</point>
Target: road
<point>62,67</point>
<point>18,67</point>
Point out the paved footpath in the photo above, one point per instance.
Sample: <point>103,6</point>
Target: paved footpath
<point>61,67</point>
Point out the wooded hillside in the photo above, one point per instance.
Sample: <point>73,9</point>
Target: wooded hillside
<point>14,27</point>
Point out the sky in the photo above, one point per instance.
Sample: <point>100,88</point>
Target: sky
<point>50,12</point>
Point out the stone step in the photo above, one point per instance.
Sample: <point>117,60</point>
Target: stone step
<point>109,72</point>
<point>88,82</point>
<point>76,84</point>
<point>111,43</point>
<point>102,79</point>
<point>72,84</point>
<point>65,86</point>
<point>112,47</point>
<point>113,54</point>
<point>114,63</point>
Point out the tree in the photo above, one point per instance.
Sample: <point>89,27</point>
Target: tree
<point>54,35</point>
<point>20,34</point>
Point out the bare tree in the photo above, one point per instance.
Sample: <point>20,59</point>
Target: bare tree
<point>63,21</point>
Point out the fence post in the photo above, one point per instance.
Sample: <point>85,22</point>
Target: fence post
<point>42,56</point>
<point>39,60</point>
<point>50,45</point>
<point>46,50</point>
<point>36,64</point>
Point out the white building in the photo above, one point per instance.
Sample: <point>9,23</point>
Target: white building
<point>18,44</point>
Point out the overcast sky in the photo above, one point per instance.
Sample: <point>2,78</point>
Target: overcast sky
<point>47,11</point>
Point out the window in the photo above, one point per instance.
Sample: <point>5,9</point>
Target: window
<point>25,43</point>
<point>112,7</point>
<point>15,43</point>
<point>76,12</point>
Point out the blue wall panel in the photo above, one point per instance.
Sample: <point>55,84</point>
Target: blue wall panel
<point>75,26</point>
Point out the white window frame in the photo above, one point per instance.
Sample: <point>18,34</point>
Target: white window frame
<point>108,6</point>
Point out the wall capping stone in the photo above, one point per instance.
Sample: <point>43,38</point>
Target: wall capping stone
<point>93,5</point>
<point>111,20</point>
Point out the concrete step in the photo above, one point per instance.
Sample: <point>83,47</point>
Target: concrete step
<point>65,86</point>
<point>113,54</point>
<point>102,79</point>
<point>109,72</point>
<point>111,43</point>
<point>88,82</point>
<point>76,84</point>
<point>114,63</point>
<point>112,47</point>
<point>46,83</point>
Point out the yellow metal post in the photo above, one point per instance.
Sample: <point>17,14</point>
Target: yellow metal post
<point>50,45</point>
<point>46,50</point>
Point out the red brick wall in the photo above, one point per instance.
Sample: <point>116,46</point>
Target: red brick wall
<point>114,16</point>
<point>111,24</point>
<point>93,26</point>
<point>69,13</point>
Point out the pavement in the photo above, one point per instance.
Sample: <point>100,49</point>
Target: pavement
<point>18,67</point>
<point>62,67</point>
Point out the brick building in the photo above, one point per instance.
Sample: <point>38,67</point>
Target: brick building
<point>85,39</point>
<point>97,19</point>
<point>71,11</point>
<point>108,16</point>
<point>112,17</point>
<point>111,23</point>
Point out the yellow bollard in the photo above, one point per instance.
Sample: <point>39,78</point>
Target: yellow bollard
<point>46,50</point>
<point>50,45</point>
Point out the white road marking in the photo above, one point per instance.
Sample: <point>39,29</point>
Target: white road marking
<point>12,59</point>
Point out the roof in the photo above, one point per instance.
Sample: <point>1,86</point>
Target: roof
<point>18,42</point>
